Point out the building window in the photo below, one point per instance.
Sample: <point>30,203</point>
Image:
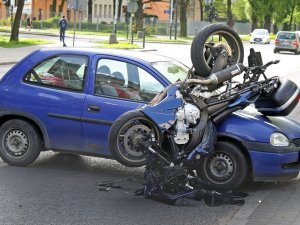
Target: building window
<point>109,11</point>
<point>95,10</point>
<point>105,11</point>
<point>100,10</point>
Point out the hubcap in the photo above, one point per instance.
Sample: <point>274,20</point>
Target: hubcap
<point>220,167</point>
<point>16,143</point>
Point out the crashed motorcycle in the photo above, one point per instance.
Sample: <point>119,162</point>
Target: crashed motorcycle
<point>177,129</point>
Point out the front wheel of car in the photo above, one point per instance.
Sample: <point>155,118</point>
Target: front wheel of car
<point>21,142</point>
<point>225,168</point>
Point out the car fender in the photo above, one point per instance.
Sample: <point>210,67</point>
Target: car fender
<point>22,115</point>
<point>253,126</point>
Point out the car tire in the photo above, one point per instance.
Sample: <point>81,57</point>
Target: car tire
<point>226,168</point>
<point>201,53</point>
<point>21,142</point>
<point>122,143</point>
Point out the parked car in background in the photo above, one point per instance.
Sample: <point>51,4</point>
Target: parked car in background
<point>287,41</point>
<point>67,100</point>
<point>260,36</point>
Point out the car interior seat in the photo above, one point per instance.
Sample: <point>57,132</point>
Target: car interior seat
<point>102,82</point>
<point>118,82</point>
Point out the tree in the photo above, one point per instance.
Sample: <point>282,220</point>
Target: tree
<point>201,3</point>
<point>254,12</point>
<point>183,18</point>
<point>230,21</point>
<point>119,9</point>
<point>292,5</point>
<point>90,10</point>
<point>16,25</point>
<point>239,9</point>
<point>61,6</point>
<point>53,8</point>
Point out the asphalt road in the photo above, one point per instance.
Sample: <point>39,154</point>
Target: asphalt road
<point>62,188</point>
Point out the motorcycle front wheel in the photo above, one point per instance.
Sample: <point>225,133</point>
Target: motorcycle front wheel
<point>125,136</point>
<point>210,37</point>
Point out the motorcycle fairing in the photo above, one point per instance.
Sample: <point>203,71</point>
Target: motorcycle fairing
<point>163,112</point>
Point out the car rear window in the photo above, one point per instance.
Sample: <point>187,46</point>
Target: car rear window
<point>286,36</point>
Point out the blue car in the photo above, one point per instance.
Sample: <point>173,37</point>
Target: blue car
<point>67,100</point>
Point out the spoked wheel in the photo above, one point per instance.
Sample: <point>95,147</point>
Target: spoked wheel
<point>226,168</point>
<point>206,45</point>
<point>126,137</point>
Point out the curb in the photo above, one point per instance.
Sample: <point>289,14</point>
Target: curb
<point>8,63</point>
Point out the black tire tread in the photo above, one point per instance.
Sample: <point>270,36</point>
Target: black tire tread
<point>197,46</point>
<point>241,171</point>
<point>114,132</point>
<point>34,135</point>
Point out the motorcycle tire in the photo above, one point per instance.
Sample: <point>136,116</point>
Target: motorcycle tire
<point>122,138</point>
<point>226,168</point>
<point>201,55</point>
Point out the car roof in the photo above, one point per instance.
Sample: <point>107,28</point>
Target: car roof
<point>260,30</point>
<point>289,32</point>
<point>145,57</point>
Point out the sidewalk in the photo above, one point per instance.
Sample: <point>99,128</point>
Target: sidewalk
<point>13,55</point>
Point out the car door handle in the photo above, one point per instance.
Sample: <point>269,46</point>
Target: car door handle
<point>93,108</point>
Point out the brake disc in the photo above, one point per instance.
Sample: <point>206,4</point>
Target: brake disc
<point>132,138</point>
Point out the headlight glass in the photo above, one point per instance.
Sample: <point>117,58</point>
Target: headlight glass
<point>279,139</point>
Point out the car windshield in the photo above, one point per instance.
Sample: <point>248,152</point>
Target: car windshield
<point>172,70</point>
<point>287,36</point>
<point>259,32</point>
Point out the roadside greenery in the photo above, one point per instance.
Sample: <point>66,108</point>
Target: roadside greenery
<point>119,45</point>
<point>5,43</point>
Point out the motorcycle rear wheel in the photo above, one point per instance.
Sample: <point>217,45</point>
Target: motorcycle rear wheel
<point>210,36</point>
<point>124,137</point>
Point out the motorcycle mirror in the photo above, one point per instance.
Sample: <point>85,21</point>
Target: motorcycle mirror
<point>254,58</point>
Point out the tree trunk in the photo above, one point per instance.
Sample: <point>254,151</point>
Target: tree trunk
<point>183,18</point>
<point>61,6</point>
<point>230,21</point>
<point>90,11</point>
<point>267,23</point>
<point>16,25</point>
<point>275,28</point>
<point>53,8</point>
<point>293,5</point>
<point>139,21</point>
<point>119,9</point>
<point>201,10</point>
<point>254,21</point>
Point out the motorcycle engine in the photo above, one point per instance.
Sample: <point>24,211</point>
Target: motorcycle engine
<point>186,115</point>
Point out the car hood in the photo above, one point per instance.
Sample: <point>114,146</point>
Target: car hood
<point>253,126</point>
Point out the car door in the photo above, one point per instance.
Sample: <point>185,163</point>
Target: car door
<point>55,90</point>
<point>118,85</point>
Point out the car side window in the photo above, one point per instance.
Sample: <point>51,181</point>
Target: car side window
<point>125,80</point>
<point>64,71</point>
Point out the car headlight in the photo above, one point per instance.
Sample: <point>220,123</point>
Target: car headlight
<point>279,139</point>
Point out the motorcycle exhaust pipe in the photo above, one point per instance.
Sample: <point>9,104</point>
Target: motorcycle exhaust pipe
<point>220,76</point>
<point>226,74</point>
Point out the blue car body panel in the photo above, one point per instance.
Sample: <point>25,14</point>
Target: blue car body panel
<point>67,124</point>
